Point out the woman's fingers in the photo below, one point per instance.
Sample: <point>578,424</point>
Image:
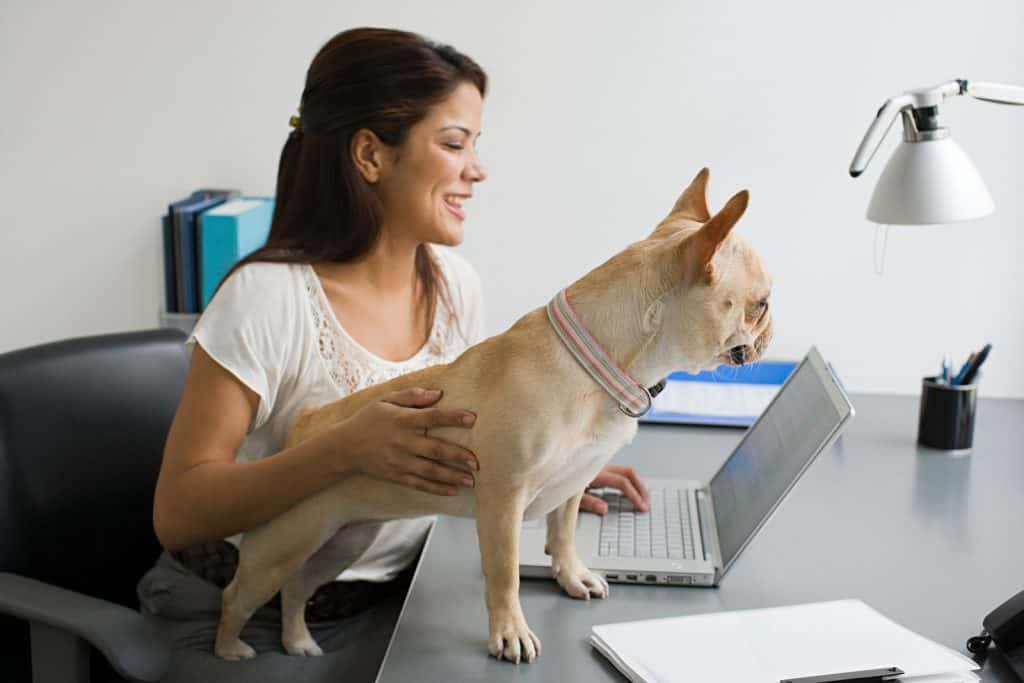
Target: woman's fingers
<point>421,484</point>
<point>414,397</point>
<point>634,478</point>
<point>441,461</point>
<point>591,503</point>
<point>435,417</point>
<point>623,482</point>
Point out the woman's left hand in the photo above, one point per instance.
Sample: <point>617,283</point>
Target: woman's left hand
<point>618,477</point>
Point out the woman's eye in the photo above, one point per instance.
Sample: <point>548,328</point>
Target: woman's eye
<point>450,145</point>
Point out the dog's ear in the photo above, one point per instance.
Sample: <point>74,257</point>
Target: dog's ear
<point>692,205</point>
<point>709,238</point>
<point>693,202</point>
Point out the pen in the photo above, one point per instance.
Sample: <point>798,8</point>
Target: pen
<point>945,369</point>
<point>963,369</point>
<point>972,367</point>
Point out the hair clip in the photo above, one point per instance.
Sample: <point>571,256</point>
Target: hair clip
<point>295,121</point>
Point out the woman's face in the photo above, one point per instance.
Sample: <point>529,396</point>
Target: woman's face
<point>428,179</point>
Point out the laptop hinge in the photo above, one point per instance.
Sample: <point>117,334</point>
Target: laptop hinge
<point>709,539</point>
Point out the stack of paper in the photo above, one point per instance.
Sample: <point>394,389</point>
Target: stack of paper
<point>776,644</point>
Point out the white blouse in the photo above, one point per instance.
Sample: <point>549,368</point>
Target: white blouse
<point>272,327</point>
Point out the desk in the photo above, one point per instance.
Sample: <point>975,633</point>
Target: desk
<point>921,536</point>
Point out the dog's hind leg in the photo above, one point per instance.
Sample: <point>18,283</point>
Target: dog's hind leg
<point>499,518</point>
<point>331,559</point>
<point>568,569</point>
<point>268,557</point>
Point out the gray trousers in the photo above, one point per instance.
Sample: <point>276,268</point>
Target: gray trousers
<point>187,609</point>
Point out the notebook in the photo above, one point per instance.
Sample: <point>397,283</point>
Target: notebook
<point>775,644</point>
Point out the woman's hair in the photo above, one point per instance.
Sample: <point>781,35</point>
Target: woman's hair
<point>383,80</point>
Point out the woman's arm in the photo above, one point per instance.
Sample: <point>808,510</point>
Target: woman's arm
<point>203,494</point>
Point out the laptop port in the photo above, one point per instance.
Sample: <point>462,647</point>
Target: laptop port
<point>685,580</point>
<point>630,577</point>
<point>651,578</point>
<point>611,577</point>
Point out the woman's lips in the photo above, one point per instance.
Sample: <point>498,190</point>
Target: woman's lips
<point>455,208</point>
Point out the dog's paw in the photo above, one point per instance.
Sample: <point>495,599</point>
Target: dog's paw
<point>233,649</point>
<point>581,583</point>
<point>302,647</point>
<point>512,639</point>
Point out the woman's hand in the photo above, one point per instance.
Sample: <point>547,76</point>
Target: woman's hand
<point>618,477</point>
<point>388,440</point>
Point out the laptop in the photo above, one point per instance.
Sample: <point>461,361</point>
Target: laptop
<point>694,531</point>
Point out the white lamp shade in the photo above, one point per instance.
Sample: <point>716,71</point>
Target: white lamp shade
<point>929,182</point>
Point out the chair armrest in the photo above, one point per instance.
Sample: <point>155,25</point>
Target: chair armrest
<point>130,642</point>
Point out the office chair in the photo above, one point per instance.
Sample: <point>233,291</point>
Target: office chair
<point>82,429</point>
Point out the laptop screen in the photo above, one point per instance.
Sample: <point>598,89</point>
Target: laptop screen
<point>775,450</point>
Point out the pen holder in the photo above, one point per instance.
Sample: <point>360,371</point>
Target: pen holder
<point>946,420</point>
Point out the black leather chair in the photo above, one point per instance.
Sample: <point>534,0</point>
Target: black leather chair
<point>82,429</point>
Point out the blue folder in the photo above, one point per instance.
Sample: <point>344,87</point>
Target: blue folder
<point>173,292</point>
<point>186,234</point>
<point>740,393</point>
<point>227,234</point>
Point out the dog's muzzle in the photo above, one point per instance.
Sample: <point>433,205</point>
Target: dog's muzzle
<point>739,354</point>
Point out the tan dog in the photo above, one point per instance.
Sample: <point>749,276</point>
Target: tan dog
<point>687,297</point>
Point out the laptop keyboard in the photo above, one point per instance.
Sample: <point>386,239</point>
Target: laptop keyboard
<point>663,532</point>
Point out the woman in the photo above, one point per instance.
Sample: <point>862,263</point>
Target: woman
<point>348,291</point>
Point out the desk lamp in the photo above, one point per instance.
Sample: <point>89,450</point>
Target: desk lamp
<point>929,178</point>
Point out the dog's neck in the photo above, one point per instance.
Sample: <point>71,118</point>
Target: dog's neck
<point>621,303</point>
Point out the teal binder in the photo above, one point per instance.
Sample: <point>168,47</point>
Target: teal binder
<point>227,234</point>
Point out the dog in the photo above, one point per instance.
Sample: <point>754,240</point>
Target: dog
<point>690,296</point>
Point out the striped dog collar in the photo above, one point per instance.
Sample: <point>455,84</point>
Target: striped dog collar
<point>633,398</point>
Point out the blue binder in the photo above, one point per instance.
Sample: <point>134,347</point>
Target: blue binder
<point>186,235</point>
<point>737,393</point>
<point>227,234</point>
<point>173,294</point>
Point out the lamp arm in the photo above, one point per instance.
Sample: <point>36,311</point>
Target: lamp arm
<point>995,92</point>
<point>877,131</point>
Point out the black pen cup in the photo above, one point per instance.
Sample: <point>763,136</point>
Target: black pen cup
<point>946,419</point>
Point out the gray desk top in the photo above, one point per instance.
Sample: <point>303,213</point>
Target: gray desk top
<point>931,540</point>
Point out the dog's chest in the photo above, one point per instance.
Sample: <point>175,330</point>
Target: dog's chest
<point>573,462</point>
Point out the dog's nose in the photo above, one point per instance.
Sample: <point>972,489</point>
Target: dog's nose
<point>738,355</point>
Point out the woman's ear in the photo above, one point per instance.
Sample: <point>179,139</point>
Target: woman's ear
<point>368,154</point>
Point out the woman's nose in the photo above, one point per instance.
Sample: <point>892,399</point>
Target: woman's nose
<point>475,170</point>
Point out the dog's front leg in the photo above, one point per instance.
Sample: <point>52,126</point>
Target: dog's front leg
<point>498,520</point>
<point>572,575</point>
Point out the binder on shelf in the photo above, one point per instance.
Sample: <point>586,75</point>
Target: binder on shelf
<point>183,215</point>
<point>726,396</point>
<point>173,295</point>
<point>227,234</point>
<point>170,269</point>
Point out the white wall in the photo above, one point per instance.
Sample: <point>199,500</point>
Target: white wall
<point>598,115</point>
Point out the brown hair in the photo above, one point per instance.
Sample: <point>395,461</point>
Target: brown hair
<point>383,80</point>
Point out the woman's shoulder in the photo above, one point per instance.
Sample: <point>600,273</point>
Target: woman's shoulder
<point>266,279</point>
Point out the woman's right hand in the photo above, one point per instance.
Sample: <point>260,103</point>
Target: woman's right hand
<point>387,439</point>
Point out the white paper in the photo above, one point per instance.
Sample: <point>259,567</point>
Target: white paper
<point>234,207</point>
<point>710,398</point>
<point>777,643</point>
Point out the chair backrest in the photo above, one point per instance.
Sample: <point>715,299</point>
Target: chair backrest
<point>82,429</point>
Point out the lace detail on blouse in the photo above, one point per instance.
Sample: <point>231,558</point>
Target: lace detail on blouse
<point>352,367</point>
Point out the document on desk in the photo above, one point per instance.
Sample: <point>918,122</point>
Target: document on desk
<point>774,644</point>
<point>726,396</point>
